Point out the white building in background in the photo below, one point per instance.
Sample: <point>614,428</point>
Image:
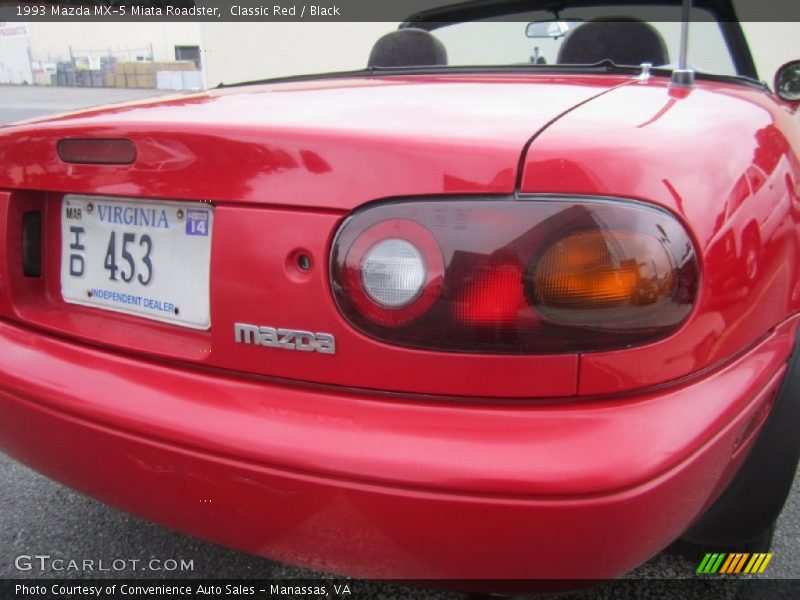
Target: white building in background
<point>229,52</point>
<point>15,65</point>
<point>31,52</point>
<point>772,45</point>
<point>128,41</point>
<point>246,51</point>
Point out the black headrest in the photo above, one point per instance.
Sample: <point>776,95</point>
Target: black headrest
<point>623,40</point>
<point>408,47</point>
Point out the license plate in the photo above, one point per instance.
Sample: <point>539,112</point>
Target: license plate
<point>145,258</point>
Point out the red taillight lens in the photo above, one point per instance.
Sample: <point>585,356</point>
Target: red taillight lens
<point>97,151</point>
<point>536,275</point>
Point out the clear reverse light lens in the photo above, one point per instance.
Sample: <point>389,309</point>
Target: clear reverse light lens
<point>393,273</point>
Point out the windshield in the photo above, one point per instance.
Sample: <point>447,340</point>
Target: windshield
<point>628,35</point>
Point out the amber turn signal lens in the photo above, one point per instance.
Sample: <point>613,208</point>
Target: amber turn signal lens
<point>596,270</point>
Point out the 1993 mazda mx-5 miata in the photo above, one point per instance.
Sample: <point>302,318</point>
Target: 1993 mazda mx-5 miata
<point>445,317</point>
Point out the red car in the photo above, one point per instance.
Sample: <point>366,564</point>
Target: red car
<point>527,320</point>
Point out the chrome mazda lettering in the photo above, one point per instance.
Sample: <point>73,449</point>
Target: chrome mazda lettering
<point>288,339</point>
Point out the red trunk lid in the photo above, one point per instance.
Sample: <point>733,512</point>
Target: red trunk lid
<point>282,165</point>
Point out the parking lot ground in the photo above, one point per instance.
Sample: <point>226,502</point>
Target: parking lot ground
<point>20,102</point>
<point>39,516</point>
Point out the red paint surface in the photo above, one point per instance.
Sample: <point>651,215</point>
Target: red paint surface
<point>324,144</point>
<point>383,487</point>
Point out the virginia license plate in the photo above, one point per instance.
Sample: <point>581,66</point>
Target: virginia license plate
<point>140,257</point>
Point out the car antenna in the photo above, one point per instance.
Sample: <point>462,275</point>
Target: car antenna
<point>683,75</point>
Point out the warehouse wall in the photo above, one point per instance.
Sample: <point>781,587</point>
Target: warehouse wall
<point>52,41</point>
<point>15,66</point>
<point>773,44</point>
<point>245,51</point>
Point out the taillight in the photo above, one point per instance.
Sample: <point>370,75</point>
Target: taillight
<point>537,275</point>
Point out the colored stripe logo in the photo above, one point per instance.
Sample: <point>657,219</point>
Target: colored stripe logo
<point>734,563</point>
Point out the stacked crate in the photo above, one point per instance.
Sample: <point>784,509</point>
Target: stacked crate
<point>120,75</point>
<point>107,66</point>
<point>177,75</point>
<point>142,74</point>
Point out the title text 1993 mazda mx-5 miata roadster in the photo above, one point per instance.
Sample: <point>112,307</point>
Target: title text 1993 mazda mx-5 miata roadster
<point>535,318</point>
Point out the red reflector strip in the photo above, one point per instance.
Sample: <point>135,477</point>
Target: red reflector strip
<point>97,152</point>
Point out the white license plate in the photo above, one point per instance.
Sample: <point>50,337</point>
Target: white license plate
<point>140,257</point>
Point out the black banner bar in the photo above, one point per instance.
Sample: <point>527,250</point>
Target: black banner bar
<point>364,10</point>
<point>740,587</point>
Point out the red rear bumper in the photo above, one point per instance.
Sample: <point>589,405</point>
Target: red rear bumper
<point>384,486</point>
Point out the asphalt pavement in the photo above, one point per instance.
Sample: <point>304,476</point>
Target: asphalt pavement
<point>21,102</point>
<point>41,517</point>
